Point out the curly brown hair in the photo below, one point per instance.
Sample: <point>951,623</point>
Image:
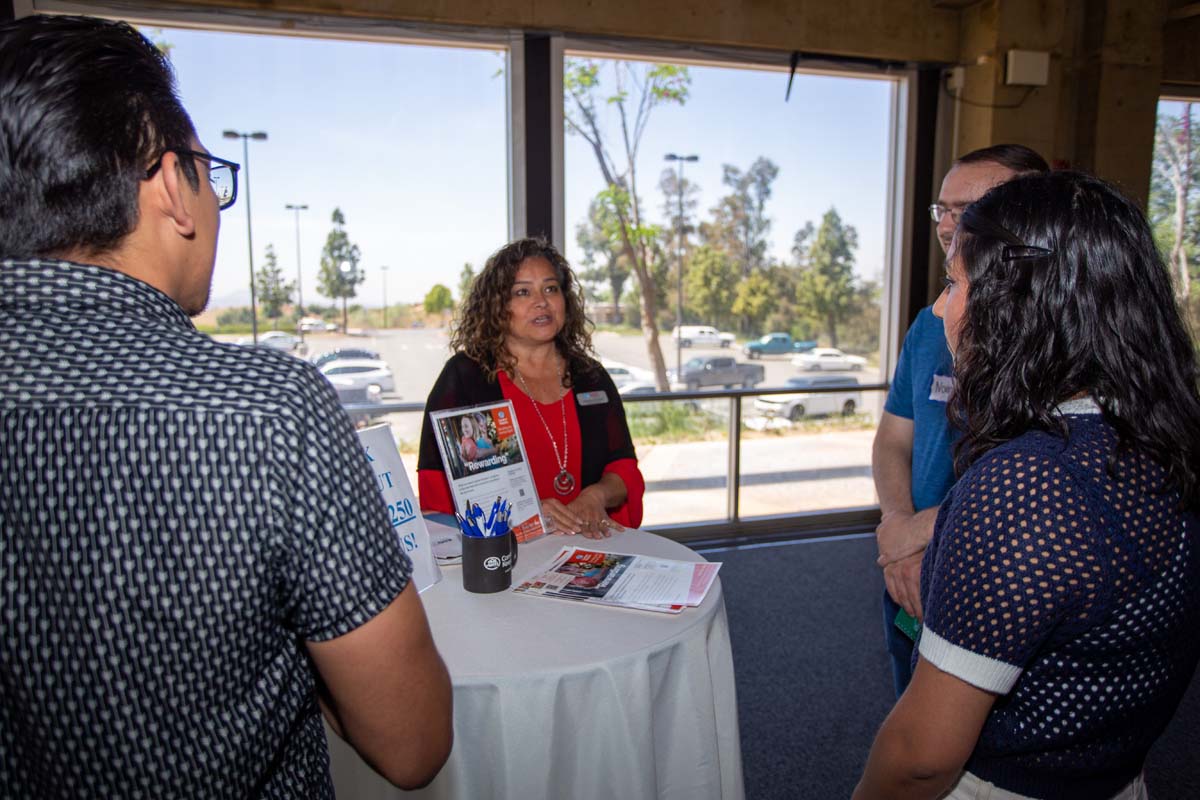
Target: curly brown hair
<point>482,324</point>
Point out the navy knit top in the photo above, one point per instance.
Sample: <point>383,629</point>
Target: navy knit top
<point>1072,594</point>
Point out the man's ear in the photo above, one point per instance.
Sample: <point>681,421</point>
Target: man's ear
<point>172,197</point>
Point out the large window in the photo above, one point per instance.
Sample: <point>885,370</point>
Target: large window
<point>1175,196</point>
<point>399,153</point>
<point>753,236</point>
<point>760,226</point>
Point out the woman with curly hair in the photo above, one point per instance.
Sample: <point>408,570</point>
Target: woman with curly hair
<point>522,336</point>
<point>1061,590</point>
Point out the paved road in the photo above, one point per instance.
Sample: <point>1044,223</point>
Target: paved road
<point>417,355</point>
<point>631,350</point>
<point>686,482</point>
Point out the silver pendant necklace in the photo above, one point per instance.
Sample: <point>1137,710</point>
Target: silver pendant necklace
<point>564,481</point>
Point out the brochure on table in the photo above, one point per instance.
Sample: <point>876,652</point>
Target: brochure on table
<point>484,460</point>
<point>407,521</point>
<point>447,540</point>
<point>625,581</point>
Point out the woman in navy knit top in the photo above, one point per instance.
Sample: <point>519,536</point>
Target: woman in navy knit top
<point>1061,591</point>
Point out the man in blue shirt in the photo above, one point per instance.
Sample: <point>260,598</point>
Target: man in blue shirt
<point>196,559</point>
<point>911,459</point>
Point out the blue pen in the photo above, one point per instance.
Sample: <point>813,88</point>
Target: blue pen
<point>492,516</point>
<point>471,529</point>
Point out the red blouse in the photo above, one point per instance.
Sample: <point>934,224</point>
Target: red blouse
<point>434,490</point>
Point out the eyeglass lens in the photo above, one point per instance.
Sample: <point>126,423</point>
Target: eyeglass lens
<point>937,212</point>
<point>221,178</point>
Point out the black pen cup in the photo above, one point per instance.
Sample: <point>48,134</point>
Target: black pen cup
<point>488,561</point>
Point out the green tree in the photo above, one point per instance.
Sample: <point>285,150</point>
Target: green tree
<point>604,259</point>
<point>438,299</point>
<point>231,317</point>
<point>340,274</point>
<point>860,330</point>
<point>755,298</point>
<point>637,89</point>
<point>680,199</point>
<point>740,224</point>
<point>786,315</point>
<point>710,284</point>
<point>825,290</point>
<point>465,278</point>
<point>273,292</point>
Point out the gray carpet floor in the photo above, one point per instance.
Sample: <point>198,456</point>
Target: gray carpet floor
<point>814,681</point>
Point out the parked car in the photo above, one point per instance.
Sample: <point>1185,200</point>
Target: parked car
<point>717,371</point>
<point>637,387</point>
<point>802,404</point>
<point>344,353</point>
<point>701,336</point>
<point>358,396</point>
<point>828,358</point>
<point>622,374</point>
<point>360,372</point>
<point>776,344</point>
<point>315,325</point>
<point>276,340</point>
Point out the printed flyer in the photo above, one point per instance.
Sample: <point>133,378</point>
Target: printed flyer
<point>484,460</point>
<point>622,580</point>
<point>407,521</point>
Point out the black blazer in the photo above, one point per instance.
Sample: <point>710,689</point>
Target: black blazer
<point>605,433</point>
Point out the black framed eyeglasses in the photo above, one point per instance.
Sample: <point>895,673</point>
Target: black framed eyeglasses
<point>222,174</point>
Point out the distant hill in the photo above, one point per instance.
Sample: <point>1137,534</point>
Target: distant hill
<point>230,300</point>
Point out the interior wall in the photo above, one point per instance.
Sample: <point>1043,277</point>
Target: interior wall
<point>1097,112</point>
<point>900,30</point>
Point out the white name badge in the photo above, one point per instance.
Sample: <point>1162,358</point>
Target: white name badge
<point>597,398</point>
<point>942,386</point>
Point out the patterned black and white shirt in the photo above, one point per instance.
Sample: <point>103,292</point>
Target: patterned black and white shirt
<point>178,517</point>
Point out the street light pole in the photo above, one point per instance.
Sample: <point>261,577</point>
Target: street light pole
<point>258,136</point>
<point>679,273</point>
<point>299,277</point>
<point>384,271</point>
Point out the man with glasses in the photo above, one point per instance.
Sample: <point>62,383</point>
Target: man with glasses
<point>911,459</point>
<point>195,560</point>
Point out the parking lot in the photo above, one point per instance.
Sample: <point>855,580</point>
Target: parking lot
<point>783,470</point>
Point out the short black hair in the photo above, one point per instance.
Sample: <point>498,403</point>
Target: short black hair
<point>86,107</point>
<point>1017,157</point>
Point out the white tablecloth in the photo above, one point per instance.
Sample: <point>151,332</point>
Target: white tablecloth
<point>554,699</point>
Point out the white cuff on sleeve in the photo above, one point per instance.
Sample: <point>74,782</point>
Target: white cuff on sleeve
<point>981,671</point>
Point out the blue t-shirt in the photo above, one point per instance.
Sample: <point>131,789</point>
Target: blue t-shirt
<point>920,389</point>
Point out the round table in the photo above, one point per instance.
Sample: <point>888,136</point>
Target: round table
<point>557,699</point>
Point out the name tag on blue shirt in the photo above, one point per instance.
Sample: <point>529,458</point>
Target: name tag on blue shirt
<point>942,386</point>
<point>597,398</point>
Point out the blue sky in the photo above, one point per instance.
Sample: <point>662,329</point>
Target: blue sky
<point>409,141</point>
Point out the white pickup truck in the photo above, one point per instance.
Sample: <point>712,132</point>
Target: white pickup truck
<point>701,336</point>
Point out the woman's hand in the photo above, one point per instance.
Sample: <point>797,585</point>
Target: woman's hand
<point>585,514</point>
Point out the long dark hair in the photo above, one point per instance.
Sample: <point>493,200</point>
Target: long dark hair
<point>1067,295</point>
<point>483,316</point>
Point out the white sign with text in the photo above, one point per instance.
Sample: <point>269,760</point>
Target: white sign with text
<point>401,502</point>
